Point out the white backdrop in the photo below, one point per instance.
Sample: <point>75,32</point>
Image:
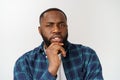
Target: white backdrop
<point>95,23</point>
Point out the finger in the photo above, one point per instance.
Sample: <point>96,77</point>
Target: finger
<point>59,48</point>
<point>56,43</point>
<point>63,52</point>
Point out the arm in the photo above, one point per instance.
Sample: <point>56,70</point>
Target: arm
<point>23,72</point>
<point>22,69</point>
<point>53,58</point>
<point>47,75</point>
<point>93,66</point>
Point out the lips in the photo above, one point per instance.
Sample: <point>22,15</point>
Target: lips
<point>56,39</point>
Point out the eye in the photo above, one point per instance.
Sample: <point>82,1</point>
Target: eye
<point>49,25</point>
<point>62,25</point>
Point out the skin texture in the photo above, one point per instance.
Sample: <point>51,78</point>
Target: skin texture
<point>54,32</point>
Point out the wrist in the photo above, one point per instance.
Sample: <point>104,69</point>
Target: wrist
<point>52,72</point>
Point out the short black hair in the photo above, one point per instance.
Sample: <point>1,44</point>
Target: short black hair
<point>51,9</point>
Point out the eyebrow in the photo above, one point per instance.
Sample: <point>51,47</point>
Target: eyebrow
<point>57,22</point>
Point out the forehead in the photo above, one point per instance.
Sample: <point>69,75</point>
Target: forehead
<point>53,15</point>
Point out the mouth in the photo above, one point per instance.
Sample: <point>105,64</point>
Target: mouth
<point>56,39</point>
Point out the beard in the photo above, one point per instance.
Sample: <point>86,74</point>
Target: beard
<point>47,42</point>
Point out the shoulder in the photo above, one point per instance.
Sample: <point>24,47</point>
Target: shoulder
<point>81,48</point>
<point>28,56</point>
<point>86,53</point>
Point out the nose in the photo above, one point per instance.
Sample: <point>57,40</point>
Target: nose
<point>56,29</point>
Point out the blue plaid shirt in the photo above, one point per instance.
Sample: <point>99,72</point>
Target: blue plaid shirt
<point>81,63</point>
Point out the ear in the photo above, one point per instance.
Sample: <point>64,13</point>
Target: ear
<point>39,29</point>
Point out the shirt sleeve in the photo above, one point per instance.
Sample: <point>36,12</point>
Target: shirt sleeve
<point>93,66</point>
<point>22,72</point>
<point>47,76</point>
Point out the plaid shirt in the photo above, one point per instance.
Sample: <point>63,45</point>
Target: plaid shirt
<point>81,63</point>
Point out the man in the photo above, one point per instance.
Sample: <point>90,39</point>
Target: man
<point>44,62</point>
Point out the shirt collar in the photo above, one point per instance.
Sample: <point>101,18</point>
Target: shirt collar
<point>41,47</point>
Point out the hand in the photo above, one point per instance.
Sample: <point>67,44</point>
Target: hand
<point>52,54</point>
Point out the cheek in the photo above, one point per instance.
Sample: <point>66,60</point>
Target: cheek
<point>65,32</point>
<point>45,33</point>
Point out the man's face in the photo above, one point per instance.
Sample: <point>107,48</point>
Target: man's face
<point>53,27</point>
